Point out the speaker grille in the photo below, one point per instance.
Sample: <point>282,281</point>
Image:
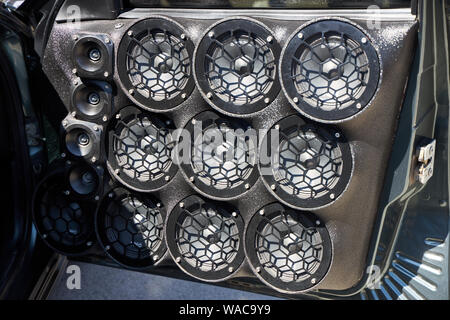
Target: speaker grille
<point>130,228</point>
<point>154,63</point>
<point>205,238</point>
<point>140,150</point>
<point>223,161</point>
<point>64,222</point>
<point>289,250</point>
<point>311,167</point>
<point>236,66</point>
<point>330,70</point>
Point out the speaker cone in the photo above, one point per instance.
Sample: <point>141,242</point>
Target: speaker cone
<point>83,180</point>
<point>330,70</point>
<point>65,223</point>
<point>81,141</point>
<point>235,66</point>
<point>205,238</point>
<point>154,64</point>
<point>130,228</point>
<point>311,166</point>
<point>92,100</point>
<point>222,162</point>
<point>92,56</point>
<point>289,250</point>
<point>140,150</point>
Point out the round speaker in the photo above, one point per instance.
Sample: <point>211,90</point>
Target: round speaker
<point>91,100</point>
<point>140,150</point>
<point>205,238</point>
<point>290,251</point>
<point>330,71</point>
<point>223,158</point>
<point>235,66</point>
<point>92,56</point>
<point>311,166</point>
<point>65,223</point>
<point>83,180</point>
<point>80,141</point>
<point>154,64</point>
<point>130,227</point>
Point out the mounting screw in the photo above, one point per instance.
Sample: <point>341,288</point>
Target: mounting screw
<point>194,121</point>
<point>97,198</point>
<point>130,33</point>
<point>75,82</point>
<point>106,74</point>
<point>211,34</point>
<point>247,186</point>
<point>332,196</point>
<point>296,100</point>
<point>358,105</point>
<point>118,26</point>
<point>111,195</point>
<point>192,179</point>
<point>155,258</point>
<point>73,114</point>
<point>117,172</point>
<point>313,280</point>
<point>118,116</point>
<point>63,155</point>
<point>65,123</point>
<point>269,39</point>
<point>363,40</point>
<point>183,95</point>
<point>131,91</point>
<point>107,40</point>
<point>209,95</point>
<point>167,178</point>
<point>67,192</point>
<point>234,214</point>
<point>183,36</point>
<point>94,159</point>
<point>89,244</point>
<point>96,128</point>
<point>337,135</point>
<point>181,204</point>
<point>158,205</point>
<point>273,187</point>
<point>74,70</point>
<point>75,37</point>
<point>300,35</point>
<point>105,118</point>
<point>230,269</point>
<point>107,248</point>
<point>178,259</point>
<point>267,100</point>
<point>318,222</point>
<point>261,212</point>
<point>258,270</point>
<point>277,127</point>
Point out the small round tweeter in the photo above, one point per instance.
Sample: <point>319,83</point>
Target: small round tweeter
<point>330,71</point>
<point>290,251</point>
<point>154,64</point>
<point>92,100</point>
<point>305,165</point>
<point>222,162</point>
<point>83,180</point>
<point>81,139</point>
<point>92,56</point>
<point>206,238</point>
<point>130,227</point>
<point>140,150</point>
<point>65,223</point>
<point>236,66</point>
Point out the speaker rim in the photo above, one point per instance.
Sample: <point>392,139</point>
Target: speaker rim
<point>374,60</point>
<point>228,108</point>
<point>121,193</point>
<point>150,22</point>
<point>208,117</point>
<point>105,92</point>
<point>144,187</point>
<point>341,187</point>
<point>170,236</point>
<point>106,50</point>
<point>86,207</point>
<point>270,211</point>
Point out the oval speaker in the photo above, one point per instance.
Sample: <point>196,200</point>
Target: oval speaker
<point>311,165</point>
<point>330,70</point>
<point>64,222</point>
<point>205,238</point>
<point>235,66</point>
<point>130,227</point>
<point>91,101</point>
<point>154,64</point>
<point>92,56</point>
<point>140,150</point>
<point>290,251</point>
<point>223,156</point>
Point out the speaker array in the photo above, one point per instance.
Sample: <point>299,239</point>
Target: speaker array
<point>154,64</point>
<point>288,250</point>
<point>130,227</point>
<point>140,149</point>
<point>235,66</point>
<point>206,238</point>
<point>223,159</point>
<point>311,167</point>
<point>64,206</point>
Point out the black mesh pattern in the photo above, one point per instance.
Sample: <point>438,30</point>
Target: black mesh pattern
<point>288,250</point>
<point>330,71</point>
<point>133,228</point>
<point>142,148</point>
<point>158,64</point>
<point>207,240</point>
<point>309,165</point>
<point>240,67</point>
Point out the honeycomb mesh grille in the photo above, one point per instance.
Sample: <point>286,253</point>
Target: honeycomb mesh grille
<point>223,166</point>
<point>330,71</point>
<point>143,150</point>
<point>63,221</point>
<point>158,64</point>
<point>288,250</point>
<point>309,166</point>
<point>240,67</point>
<point>207,240</point>
<point>134,229</point>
